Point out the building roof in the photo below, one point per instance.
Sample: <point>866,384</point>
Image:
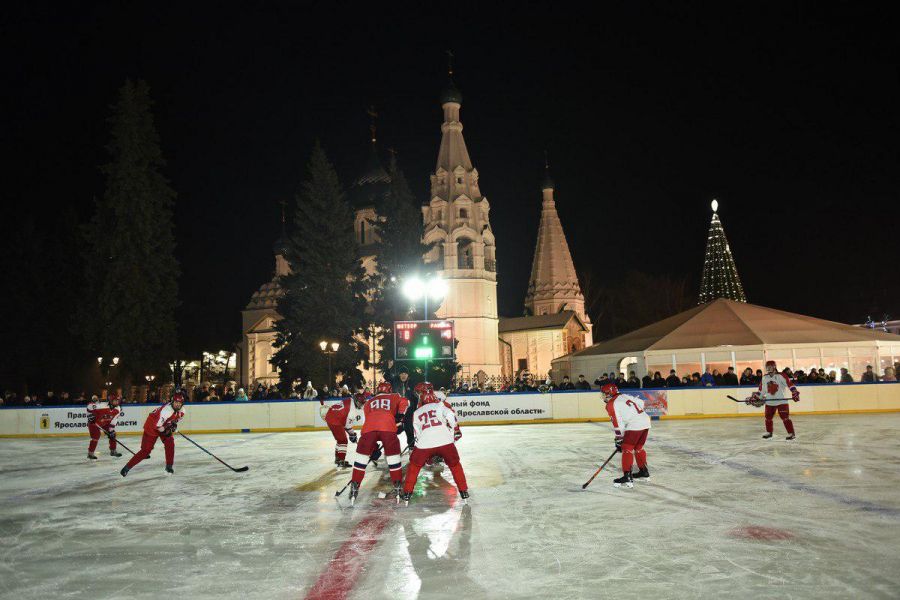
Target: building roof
<point>372,184</point>
<point>551,321</point>
<point>728,323</point>
<point>266,296</point>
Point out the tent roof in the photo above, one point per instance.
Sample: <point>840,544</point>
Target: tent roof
<point>551,321</point>
<point>729,323</point>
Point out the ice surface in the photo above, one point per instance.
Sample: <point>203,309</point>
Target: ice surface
<point>725,515</point>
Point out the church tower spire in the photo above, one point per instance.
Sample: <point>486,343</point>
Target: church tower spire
<point>458,228</point>
<point>720,276</point>
<point>553,286</point>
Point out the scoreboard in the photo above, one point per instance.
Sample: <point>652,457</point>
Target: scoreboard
<point>424,340</point>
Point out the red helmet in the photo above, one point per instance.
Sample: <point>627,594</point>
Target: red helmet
<point>609,391</point>
<point>178,397</point>
<point>771,363</point>
<point>427,397</point>
<point>423,388</point>
<point>112,397</point>
<point>384,388</point>
<point>359,399</point>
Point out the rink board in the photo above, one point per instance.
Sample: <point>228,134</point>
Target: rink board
<point>480,409</point>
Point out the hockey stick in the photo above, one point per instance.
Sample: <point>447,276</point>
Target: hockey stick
<point>336,494</point>
<point>597,472</point>
<point>735,399</point>
<point>117,439</point>
<point>240,470</point>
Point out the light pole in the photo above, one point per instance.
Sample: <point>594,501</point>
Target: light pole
<point>325,348</point>
<point>434,287</point>
<point>104,370</point>
<point>149,379</point>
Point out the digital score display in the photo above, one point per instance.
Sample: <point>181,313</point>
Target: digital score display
<point>424,340</point>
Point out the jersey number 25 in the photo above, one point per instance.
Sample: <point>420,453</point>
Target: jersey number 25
<point>429,419</point>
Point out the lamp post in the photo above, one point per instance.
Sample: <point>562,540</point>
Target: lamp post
<point>104,368</point>
<point>415,288</point>
<point>328,352</point>
<point>149,379</point>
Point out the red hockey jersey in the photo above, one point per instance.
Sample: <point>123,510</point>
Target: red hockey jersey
<point>106,416</point>
<point>343,414</point>
<point>160,417</point>
<point>383,411</point>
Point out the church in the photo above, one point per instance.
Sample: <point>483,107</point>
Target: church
<point>457,226</point>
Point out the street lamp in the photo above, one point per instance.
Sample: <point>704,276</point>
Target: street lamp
<point>434,287</point>
<point>325,348</point>
<point>104,369</point>
<point>149,379</point>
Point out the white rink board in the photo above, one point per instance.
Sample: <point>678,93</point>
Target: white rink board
<point>502,407</point>
<point>50,420</point>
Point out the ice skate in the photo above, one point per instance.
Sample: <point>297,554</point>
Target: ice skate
<point>115,453</point>
<point>464,494</point>
<point>342,464</point>
<point>625,480</point>
<point>124,471</point>
<point>398,490</point>
<point>790,437</point>
<point>405,496</point>
<point>354,492</point>
<point>642,473</point>
<point>767,436</point>
<point>92,456</point>
<point>170,469</point>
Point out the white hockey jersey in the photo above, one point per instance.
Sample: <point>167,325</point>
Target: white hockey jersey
<point>433,424</point>
<point>627,414</point>
<point>776,389</point>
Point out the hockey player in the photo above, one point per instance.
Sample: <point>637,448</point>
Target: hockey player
<point>341,418</point>
<point>102,418</point>
<point>773,390</point>
<point>161,423</point>
<point>436,432</point>
<point>383,412</point>
<point>631,425</point>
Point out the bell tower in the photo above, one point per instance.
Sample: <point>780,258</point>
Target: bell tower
<point>457,224</point>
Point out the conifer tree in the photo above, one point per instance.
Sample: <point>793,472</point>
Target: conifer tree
<point>720,276</point>
<point>131,274</point>
<point>324,295</point>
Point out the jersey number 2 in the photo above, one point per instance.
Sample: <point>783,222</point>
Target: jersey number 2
<point>634,406</point>
<point>429,419</point>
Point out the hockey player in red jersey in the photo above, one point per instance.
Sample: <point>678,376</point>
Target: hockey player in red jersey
<point>161,423</point>
<point>102,418</point>
<point>436,430</point>
<point>631,425</point>
<point>382,412</point>
<point>340,419</point>
<point>773,390</point>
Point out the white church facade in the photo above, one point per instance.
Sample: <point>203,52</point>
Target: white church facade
<point>463,247</point>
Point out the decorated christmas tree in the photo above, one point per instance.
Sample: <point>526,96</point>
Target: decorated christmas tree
<point>720,276</point>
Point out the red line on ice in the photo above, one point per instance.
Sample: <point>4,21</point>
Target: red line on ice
<point>348,563</point>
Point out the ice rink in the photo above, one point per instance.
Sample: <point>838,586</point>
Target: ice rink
<point>725,514</point>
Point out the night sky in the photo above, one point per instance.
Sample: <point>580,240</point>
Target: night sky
<point>786,112</point>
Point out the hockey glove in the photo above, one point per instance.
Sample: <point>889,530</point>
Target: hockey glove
<point>352,435</point>
<point>795,395</point>
<point>92,418</point>
<point>619,440</point>
<point>457,434</point>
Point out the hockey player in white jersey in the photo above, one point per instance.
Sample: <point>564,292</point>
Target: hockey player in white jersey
<point>631,425</point>
<point>774,388</point>
<point>436,431</point>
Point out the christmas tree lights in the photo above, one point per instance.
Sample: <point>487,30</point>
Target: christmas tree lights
<point>720,276</point>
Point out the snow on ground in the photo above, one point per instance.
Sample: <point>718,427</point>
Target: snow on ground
<point>725,514</point>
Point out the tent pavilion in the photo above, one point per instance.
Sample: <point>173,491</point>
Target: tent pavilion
<point>725,333</point>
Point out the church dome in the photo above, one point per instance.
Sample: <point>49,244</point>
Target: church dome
<point>451,94</point>
<point>547,183</point>
<point>280,245</point>
<point>372,183</point>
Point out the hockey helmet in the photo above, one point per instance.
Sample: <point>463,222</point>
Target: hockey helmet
<point>177,397</point>
<point>427,397</point>
<point>423,388</point>
<point>384,388</point>
<point>113,398</point>
<point>609,391</point>
<point>771,363</point>
<point>359,399</point>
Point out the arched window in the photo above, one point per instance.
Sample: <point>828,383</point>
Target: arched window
<point>464,213</point>
<point>464,254</point>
